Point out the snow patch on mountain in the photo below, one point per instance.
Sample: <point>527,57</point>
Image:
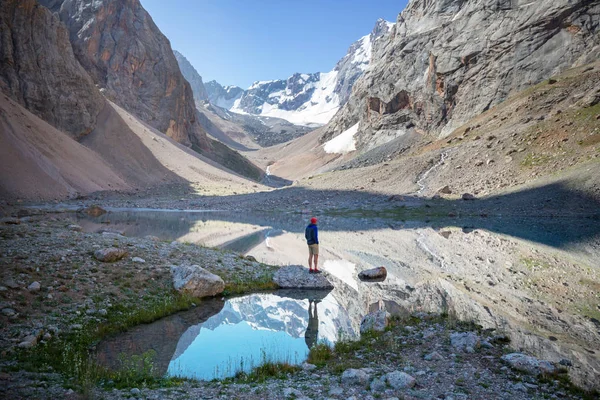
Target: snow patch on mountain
<point>342,143</point>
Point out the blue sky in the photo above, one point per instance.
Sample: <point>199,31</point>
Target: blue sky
<point>237,42</point>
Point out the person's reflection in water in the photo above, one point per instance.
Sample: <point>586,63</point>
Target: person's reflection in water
<point>312,332</point>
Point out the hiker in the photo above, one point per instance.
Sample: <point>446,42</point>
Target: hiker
<point>312,239</point>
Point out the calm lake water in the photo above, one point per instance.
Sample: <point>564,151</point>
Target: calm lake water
<point>533,278</point>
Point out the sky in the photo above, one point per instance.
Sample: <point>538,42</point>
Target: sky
<point>237,42</point>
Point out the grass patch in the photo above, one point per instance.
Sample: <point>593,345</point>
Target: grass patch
<point>265,371</point>
<point>319,354</point>
<point>565,383</point>
<point>533,160</point>
<point>533,264</point>
<point>235,285</point>
<point>70,355</point>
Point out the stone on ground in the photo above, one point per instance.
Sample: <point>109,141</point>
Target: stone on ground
<point>297,277</point>
<point>138,260</point>
<point>375,321</point>
<point>400,380</point>
<point>94,211</point>
<point>196,281</point>
<point>34,287</point>
<point>465,341</point>
<point>355,377</point>
<point>29,342</point>
<point>445,190</point>
<point>378,385</point>
<point>374,273</point>
<point>468,196</point>
<point>529,364</point>
<point>110,254</point>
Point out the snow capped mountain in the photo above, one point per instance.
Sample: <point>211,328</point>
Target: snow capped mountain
<point>304,99</point>
<point>223,96</point>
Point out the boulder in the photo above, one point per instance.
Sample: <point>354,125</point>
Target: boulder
<point>531,365</point>
<point>29,342</point>
<point>110,254</point>
<point>400,380</point>
<point>375,321</point>
<point>379,273</point>
<point>435,356</point>
<point>9,312</point>
<point>465,341</point>
<point>10,221</point>
<point>196,281</point>
<point>445,190</point>
<point>468,196</point>
<point>296,276</point>
<point>138,260</point>
<point>94,211</point>
<point>355,377</point>
<point>34,287</point>
<point>378,385</point>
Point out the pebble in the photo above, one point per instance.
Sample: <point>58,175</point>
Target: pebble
<point>138,260</point>
<point>9,312</point>
<point>135,391</point>
<point>433,356</point>
<point>34,287</point>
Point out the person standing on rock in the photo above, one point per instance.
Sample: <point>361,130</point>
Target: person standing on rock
<point>312,239</point>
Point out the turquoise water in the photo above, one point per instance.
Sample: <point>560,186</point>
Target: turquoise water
<point>229,349</point>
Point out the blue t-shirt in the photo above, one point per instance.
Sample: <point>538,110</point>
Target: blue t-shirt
<point>311,234</point>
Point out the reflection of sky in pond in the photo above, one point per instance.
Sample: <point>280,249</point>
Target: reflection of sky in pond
<point>230,348</point>
<point>252,329</point>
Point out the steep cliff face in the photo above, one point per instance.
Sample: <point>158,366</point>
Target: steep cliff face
<point>38,69</point>
<point>132,62</point>
<point>192,76</point>
<point>446,61</point>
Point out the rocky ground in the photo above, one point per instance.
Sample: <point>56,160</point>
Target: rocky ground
<point>421,357</point>
<point>53,285</point>
<point>51,280</point>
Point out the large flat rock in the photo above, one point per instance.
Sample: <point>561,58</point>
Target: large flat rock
<point>296,276</point>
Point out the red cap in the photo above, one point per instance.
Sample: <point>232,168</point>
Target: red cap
<point>313,220</point>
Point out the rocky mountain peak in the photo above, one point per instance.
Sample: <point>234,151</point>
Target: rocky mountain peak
<point>192,76</point>
<point>222,96</point>
<point>381,28</point>
<point>127,56</point>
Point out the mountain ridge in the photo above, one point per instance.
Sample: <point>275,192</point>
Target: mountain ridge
<point>309,99</point>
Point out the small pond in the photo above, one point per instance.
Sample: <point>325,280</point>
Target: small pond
<point>532,278</point>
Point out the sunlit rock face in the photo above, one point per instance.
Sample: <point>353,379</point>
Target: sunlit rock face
<point>38,69</point>
<point>132,63</point>
<point>446,61</point>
